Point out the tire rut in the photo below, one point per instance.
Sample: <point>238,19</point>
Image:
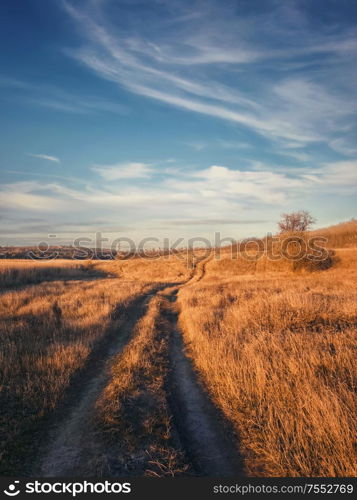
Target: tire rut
<point>72,447</point>
<point>205,434</point>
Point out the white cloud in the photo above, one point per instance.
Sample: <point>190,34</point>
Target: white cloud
<point>214,193</point>
<point>337,176</point>
<point>345,145</point>
<point>297,155</point>
<point>199,51</point>
<point>28,201</point>
<point>281,128</point>
<point>123,171</point>
<point>264,186</point>
<point>45,157</point>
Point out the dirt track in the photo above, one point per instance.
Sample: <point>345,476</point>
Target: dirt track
<point>73,447</point>
<point>205,434</point>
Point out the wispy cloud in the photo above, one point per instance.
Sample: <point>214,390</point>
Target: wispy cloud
<point>267,97</point>
<point>197,145</point>
<point>345,145</point>
<point>45,157</point>
<point>223,143</point>
<point>215,222</point>
<point>297,155</point>
<point>58,99</point>
<point>175,66</point>
<point>192,202</point>
<point>123,171</point>
<point>216,190</point>
<point>73,104</point>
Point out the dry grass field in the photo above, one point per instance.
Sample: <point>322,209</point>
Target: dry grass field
<point>273,346</point>
<point>277,352</point>
<point>169,269</point>
<point>17,273</point>
<point>343,235</point>
<point>48,331</point>
<point>47,334</point>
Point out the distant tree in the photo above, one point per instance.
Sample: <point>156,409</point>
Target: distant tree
<point>296,222</point>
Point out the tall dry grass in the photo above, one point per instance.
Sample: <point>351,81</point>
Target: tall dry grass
<point>168,269</point>
<point>48,332</point>
<point>277,352</point>
<point>15,273</point>
<point>275,348</point>
<point>343,235</point>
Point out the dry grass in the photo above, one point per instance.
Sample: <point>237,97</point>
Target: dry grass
<point>14,273</point>
<point>260,263</point>
<point>49,330</point>
<point>277,353</point>
<point>168,269</point>
<point>275,348</point>
<point>47,333</point>
<point>343,235</point>
<point>133,409</point>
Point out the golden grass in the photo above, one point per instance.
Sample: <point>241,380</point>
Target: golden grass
<point>47,333</point>
<point>258,264</point>
<point>276,350</point>
<point>49,330</point>
<point>339,236</point>
<point>19,272</point>
<point>168,269</point>
<point>277,353</point>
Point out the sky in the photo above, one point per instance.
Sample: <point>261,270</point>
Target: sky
<point>175,118</point>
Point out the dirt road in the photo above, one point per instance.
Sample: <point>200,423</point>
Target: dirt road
<point>73,447</point>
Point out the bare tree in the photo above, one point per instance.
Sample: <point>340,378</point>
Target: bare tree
<point>296,222</point>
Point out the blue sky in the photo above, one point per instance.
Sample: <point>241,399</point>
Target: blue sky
<point>175,118</point>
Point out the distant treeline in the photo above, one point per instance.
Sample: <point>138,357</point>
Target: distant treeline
<point>78,253</point>
<point>56,252</point>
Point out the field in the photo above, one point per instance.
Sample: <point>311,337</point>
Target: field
<point>278,355</point>
<point>180,365</point>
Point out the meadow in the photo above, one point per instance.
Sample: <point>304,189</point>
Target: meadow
<point>272,346</point>
<point>277,352</point>
<point>50,328</point>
